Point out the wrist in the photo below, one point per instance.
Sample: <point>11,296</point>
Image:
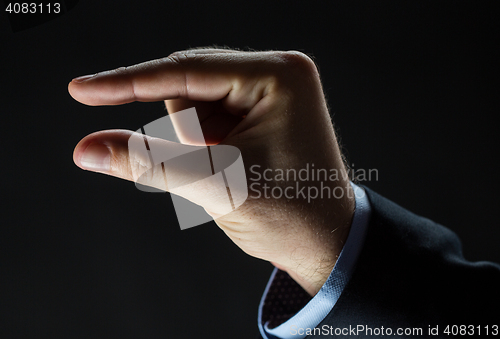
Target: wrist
<point>312,259</point>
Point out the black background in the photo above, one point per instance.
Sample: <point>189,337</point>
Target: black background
<point>413,89</point>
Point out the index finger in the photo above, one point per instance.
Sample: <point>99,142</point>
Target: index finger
<point>207,77</point>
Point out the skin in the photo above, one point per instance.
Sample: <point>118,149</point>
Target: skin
<point>270,105</point>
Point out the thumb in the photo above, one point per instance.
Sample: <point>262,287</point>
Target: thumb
<point>210,176</point>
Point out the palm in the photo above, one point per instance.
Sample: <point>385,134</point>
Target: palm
<point>215,120</point>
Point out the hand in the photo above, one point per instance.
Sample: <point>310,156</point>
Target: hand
<point>270,105</point>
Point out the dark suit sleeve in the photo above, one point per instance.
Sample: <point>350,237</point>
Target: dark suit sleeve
<point>411,274</point>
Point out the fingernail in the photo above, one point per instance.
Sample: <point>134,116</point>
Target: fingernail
<point>96,157</point>
<point>83,78</point>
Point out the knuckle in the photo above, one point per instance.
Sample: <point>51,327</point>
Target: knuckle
<point>132,162</point>
<point>179,57</point>
<point>121,71</point>
<point>295,72</point>
<point>175,58</point>
<point>125,166</point>
<point>298,61</point>
<point>139,166</point>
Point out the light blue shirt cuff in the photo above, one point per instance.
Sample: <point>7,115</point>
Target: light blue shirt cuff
<point>324,301</point>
